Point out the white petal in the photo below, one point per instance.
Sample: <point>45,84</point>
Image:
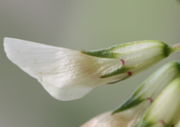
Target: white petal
<point>127,118</point>
<point>66,74</point>
<point>109,120</point>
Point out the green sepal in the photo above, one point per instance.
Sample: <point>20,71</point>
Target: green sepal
<point>178,66</point>
<point>119,80</point>
<point>167,50</point>
<point>132,102</point>
<point>118,71</point>
<point>104,53</point>
<point>109,52</point>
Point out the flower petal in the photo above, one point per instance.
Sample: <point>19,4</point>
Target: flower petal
<point>123,119</point>
<point>66,74</point>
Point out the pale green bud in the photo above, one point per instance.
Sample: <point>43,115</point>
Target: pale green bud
<point>165,110</point>
<point>133,56</point>
<point>152,86</point>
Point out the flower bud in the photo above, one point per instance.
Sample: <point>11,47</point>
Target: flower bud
<point>152,86</point>
<point>165,110</point>
<point>69,74</point>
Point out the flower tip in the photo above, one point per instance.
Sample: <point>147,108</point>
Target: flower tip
<point>6,45</point>
<point>69,93</point>
<point>7,39</point>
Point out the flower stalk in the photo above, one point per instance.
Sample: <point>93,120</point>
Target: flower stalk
<point>176,47</point>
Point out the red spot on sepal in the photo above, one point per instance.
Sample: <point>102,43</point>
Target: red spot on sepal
<point>122,61</point>
<point>162,122</point>
<point>129,73</point>
<point>150,99</point>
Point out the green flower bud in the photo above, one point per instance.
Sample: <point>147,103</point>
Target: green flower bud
<point>165,110</point>
<point>134,56</point>
<point>152,86</point>
<point>69,74</point>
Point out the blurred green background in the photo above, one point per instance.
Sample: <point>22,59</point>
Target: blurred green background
<point>76,24</point>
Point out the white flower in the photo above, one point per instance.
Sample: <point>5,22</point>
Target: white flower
<point>69,74</point>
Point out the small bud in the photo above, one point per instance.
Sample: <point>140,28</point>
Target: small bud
<point>69,74</point>
<point>165,110</point>
<point>152,86</point>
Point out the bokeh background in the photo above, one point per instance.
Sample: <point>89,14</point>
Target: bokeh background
<point>76,24</point>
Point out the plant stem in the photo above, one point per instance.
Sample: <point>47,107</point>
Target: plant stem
<point>176,47</point>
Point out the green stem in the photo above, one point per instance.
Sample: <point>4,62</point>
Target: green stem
<point>176,47</point>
